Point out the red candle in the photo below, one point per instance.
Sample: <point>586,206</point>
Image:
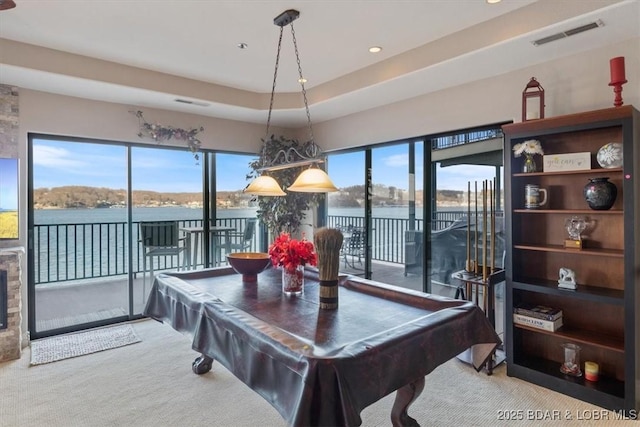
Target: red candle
<point>617,70</point>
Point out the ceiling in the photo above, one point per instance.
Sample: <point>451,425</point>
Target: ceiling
<point>152,52</point>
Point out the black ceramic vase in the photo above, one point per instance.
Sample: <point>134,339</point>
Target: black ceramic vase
<point>600,194</point>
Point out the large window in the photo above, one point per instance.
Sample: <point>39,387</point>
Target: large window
<point>105,217</point>
<point>412,206</point>
<point>236,227</point>
<point>79,238</point>
<point>379,210</point>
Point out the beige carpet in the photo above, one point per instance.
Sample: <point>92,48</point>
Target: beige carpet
<point>151,384</point>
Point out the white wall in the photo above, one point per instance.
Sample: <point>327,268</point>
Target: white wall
<point>572,85</point>
<point>48,113</point>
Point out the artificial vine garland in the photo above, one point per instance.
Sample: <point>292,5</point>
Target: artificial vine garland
<point>160,133</point>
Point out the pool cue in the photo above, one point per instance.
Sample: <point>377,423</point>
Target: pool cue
<point>476,264</point>
<point>492,203</point>
<point>484,230</point>
<point>485,261</point>
<point>469,264</point>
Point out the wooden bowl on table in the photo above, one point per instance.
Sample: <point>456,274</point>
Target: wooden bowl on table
<point>249,264</point>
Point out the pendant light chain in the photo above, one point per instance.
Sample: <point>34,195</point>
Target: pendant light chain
<point>273,91</point>
<point>313,147</point>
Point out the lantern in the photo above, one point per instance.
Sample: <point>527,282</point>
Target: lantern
<point>532,101</point>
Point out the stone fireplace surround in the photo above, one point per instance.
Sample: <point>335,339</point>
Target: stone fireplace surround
<point>11,337</point>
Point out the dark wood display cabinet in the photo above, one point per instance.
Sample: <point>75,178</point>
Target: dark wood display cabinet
<point>602,315</point>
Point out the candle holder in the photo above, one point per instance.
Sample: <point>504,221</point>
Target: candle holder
<point>617,79</point>
<point>571,365</point>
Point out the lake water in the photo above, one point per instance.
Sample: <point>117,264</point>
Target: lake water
<point>86,216</point>
<point>70,251</point>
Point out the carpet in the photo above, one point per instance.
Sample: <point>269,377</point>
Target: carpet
<point>61,347</point>
<point>151,384</point>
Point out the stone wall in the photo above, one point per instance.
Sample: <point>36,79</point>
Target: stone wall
<point>11,337</point>
<point>9,114</point>
<point>11,258</point>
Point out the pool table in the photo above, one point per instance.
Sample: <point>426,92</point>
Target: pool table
<point>320,367</point>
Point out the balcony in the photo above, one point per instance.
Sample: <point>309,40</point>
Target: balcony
<point>81,271</point>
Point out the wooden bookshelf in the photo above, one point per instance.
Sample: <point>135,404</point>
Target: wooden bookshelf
<point>602,315</point>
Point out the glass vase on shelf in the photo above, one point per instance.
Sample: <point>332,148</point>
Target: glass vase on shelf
<point>293,281</point>
<point>529,164</point>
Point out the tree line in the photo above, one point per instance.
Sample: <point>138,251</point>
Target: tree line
<point>77,196</point>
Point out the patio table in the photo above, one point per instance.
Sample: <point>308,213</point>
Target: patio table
<point>193,241</point>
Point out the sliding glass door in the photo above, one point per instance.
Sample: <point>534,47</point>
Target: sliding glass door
<point>78,234</point>
<point>234,224</point>
<point>396,220</point>
<point>458,192</point>
<point>410,201</point>
<point>379,209</point>
<point>105,217</point>
<point>167,202</point>
<point>346,208</point>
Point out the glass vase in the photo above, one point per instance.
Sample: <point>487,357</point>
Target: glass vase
<point>571,365</point>
<point>529,164</point>
<point>293,281</point>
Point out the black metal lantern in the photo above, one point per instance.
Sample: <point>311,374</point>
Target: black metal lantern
<point>532,101</point>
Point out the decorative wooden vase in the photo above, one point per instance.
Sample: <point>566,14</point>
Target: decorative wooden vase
<point>328,242</point>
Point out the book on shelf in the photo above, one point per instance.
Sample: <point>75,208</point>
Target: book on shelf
<point>534,322</point>
<point>538,311</point>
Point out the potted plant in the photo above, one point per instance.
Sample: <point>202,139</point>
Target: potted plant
<point>286,213</point>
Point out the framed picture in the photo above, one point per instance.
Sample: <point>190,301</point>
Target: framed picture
<point>9,199</point>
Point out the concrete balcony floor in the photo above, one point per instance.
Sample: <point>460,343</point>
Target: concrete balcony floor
<point>63,305</point>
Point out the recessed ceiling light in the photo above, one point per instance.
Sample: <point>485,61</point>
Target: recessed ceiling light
<point>493,1</point>
<point>242,45</point>
<point>375,49</point>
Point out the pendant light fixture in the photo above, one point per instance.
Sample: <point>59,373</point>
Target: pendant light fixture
<point>311,180</point>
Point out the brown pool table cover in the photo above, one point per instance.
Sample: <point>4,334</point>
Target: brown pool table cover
<point>319,367</point>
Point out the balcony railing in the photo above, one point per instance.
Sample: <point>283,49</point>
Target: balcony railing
<point>89,250</point>
<point>465,138</point>
<point>85,251</point>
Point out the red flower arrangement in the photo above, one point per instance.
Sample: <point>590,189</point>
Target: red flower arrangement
<point>290,253</point>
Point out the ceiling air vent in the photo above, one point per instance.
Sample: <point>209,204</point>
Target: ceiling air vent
<point>187,101</point>
<point>568,33</point>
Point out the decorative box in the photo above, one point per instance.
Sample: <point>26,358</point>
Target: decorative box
<point>566,162</point>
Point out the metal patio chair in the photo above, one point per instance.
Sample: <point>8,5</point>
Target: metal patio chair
<point>161,239</point>
<point>241,240</point>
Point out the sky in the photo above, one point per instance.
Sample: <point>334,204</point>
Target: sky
<point>9,184</point>
<point>59,163</point>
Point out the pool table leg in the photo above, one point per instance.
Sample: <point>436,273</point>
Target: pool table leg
<point>202,364</point>
<point>405,397</point>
